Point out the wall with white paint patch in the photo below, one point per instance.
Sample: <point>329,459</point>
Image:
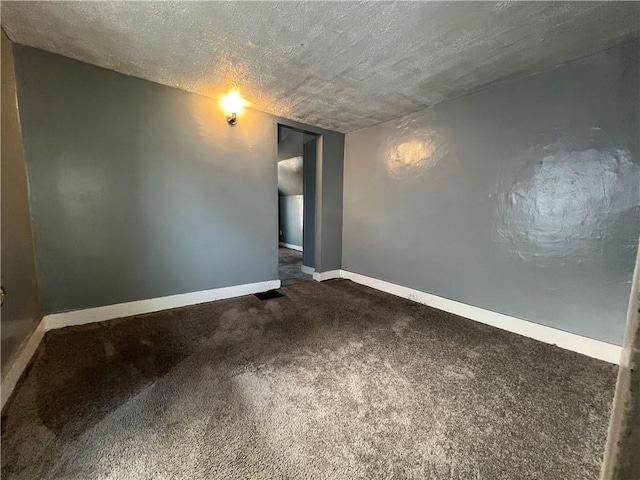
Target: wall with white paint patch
<point>523,198</point>
<point>141,191</point>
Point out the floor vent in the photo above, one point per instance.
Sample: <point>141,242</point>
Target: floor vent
<point>269,295</point>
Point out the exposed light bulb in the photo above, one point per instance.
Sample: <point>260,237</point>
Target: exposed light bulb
<point>232,104</point>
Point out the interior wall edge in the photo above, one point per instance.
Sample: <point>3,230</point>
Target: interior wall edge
<point>621,410</point>
<point>21,310</point>
<point>20,361</point>
<point>569,341</point>
<point>328,275</point>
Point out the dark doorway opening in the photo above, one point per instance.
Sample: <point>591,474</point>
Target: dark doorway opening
<point>296,204</point>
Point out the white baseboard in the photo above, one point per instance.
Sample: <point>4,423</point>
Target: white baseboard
<point>109,312</point>
<point>21,361</point>
<point>322,276</point>
<point>291,246</point>
<point>569,341</point>
<point>307,270</point>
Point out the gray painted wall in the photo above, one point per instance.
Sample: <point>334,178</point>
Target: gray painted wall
<point>521,199</point>
<point>290,201</point>
<point>329,213</point>
<point>21,310</point>
<point>290,173</point>
<point>291,219</point>
<point>141,191</point>
<point>289,144</point>
<point>329,168</point>
<point>309,189</point>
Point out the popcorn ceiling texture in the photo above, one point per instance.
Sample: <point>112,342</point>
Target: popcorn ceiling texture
<point>342,66</point>
<point>331,381</point>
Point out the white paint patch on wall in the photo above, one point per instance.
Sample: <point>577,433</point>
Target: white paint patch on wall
<point>413,150</point>
<point>567,202</point>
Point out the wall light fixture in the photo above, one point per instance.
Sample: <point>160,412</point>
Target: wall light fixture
<point>232,104</point>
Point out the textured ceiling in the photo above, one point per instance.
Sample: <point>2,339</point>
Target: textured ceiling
<point>341,66</point>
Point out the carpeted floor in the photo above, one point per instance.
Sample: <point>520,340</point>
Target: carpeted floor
<point>289,263</point>
<point>332,380</point>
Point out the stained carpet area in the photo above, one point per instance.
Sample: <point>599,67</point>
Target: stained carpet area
<point>332,380</point>
<point>289,263</point>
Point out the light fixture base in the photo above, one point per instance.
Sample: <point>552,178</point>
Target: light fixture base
<point>232,119</point>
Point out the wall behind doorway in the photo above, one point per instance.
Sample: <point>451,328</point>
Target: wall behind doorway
<point>291,200</point>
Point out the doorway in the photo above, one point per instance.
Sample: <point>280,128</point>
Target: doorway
<point>296,205</point>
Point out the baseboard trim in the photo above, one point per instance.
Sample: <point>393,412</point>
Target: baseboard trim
<point>109,312</point>
<point>20,362</point>
<point>569,341</point>
<point>307,270</point>
<point>328,275</point>
<point>291,246</point>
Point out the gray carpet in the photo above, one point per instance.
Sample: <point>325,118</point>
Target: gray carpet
<point>289,263</point>
<point>333,380</point>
